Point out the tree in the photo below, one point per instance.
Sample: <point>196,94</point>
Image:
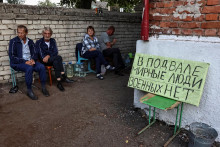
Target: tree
<point>47,3</point>
<point>85,4</point>
<point>16,1</point>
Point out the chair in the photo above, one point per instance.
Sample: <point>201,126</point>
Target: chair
<point>49,69</point>
<point>80,59</point>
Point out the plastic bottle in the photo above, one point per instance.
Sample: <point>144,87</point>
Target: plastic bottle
<point>70,70</point>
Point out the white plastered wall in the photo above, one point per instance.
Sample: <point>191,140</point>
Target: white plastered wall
<point>205,49</point>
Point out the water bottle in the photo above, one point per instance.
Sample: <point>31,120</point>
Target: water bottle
<point>69,70</point>
<point>82,71</point>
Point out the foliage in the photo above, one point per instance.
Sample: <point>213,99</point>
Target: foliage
<point>47,3</point>
<point>16,1</point>
<point>85,4</point>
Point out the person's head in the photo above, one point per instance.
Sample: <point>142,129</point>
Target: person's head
<point>111,30</point>
<point>90,31</point>
<point>22,32</point>
<point>47,33</point>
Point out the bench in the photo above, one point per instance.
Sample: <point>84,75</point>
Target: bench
<point>162,103</point>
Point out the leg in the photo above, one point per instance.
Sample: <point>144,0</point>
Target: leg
<point>40,68</point>
<point>28,78</point>
<point>56,61</point>
<point>98,57</point>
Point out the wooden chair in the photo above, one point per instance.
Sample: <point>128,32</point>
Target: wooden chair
<point>49,70</point>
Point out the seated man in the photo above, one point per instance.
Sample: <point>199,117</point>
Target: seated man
<point>107,50</point>
<point>23,57</point>
<point>48,53</point>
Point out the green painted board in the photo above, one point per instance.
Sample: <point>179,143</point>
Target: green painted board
<point>159,102</point>
<point>178,79</point>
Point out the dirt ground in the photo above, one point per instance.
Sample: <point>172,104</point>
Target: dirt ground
<point>90,113</point>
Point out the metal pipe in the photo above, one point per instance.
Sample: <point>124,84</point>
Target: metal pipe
<point>145,22</point>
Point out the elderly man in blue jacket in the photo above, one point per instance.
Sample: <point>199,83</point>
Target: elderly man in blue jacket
<point>48,52</point>
<point>23,57</point>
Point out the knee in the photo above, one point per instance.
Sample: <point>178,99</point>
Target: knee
<point>59,58</point>
<point>29,70</point>
<point>41,67</point>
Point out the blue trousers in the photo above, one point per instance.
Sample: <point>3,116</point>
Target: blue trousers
<point>99,58</point>
<point>38,67</point>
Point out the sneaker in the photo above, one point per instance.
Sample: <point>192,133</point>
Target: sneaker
<point>109,67</point>
<point>99,76</point>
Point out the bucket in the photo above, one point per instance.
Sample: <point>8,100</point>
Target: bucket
<point>201,135</point>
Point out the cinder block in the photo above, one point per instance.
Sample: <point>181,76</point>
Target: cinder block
<point>23,22</point>
<point>8,21</point>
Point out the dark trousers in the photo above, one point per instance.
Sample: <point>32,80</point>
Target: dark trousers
<point>115,54</point>
<point>38,67</point>
<point>57,63</point>
<point>99,58</point>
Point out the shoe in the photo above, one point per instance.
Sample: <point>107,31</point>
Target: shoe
<point>119,73</point>
<point>45,92</point>
<point>99,76</point>
<point>60,86</point>
<point>109,67</point>
<point>31,95</point>
<point>13,89</point>
<point>67,80</point>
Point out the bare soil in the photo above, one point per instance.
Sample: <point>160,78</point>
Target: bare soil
<point>90,113</point>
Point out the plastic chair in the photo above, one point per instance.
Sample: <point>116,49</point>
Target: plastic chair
<point>80,59</point>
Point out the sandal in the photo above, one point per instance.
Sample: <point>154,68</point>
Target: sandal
<point>99,76</point>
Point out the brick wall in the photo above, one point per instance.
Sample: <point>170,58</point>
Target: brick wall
<point>69,27</point>
<point>185,17</point>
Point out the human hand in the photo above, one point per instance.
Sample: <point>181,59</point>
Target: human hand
<point>92,49</point>
<point>32,62</point>
<point>45,59</point>
<point>114,41</point>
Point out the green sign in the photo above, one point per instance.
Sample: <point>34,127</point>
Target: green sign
<point>178,79</point>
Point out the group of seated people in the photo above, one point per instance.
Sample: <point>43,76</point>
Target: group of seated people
<point>27,56</point>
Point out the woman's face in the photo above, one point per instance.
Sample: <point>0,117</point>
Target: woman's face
<point>90,32</point>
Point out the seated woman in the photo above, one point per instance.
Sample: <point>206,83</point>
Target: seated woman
<point>90,50</point>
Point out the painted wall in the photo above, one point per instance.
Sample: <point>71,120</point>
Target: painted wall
<point>205,49</point>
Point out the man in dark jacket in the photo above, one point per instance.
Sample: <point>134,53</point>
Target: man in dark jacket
<point>48,53</point>
<point>23,57</point>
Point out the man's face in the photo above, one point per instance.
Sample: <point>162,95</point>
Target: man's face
<point>111,32</point>
<point>47,35</point>
<point>21,33</point>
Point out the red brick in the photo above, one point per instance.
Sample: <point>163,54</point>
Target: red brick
<point>187,32</point>
<point>176,31</point>
<point>157,17</point>
<point>211,9</point>
<point>152,5</point>
<point>189,25</point>
<point>213,2</point>
<point>210,32</point>
<point>210,25</point>
<point>167,18</point>
<point>218,33</point>
<point>200,18</point>
<point>188,18</point>
<point>211,17</point>
<point>198,32</point>
<point>157,23</point>
<point>168,24</point>
<point>167,10</point>
<point>178,3</point>
<point>168,4</point>
<point>159,4</point>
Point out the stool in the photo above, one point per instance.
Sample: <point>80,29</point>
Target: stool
<point>49,69</point>
<point>164,104</point>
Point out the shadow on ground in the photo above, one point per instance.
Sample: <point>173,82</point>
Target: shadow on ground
<point>90,112</point>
